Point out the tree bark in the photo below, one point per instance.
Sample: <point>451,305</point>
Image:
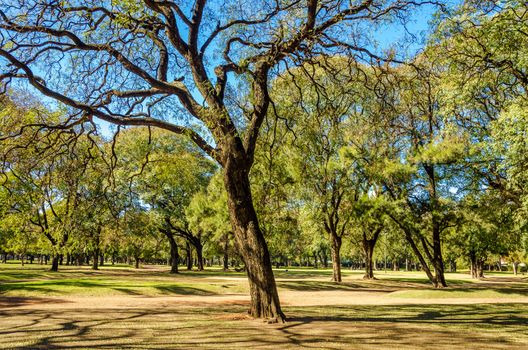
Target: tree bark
<point>199,255</point>
<point>174,255</point>
<point>368,251</point>
<point>174,258</point>
<point>188,258</point>
<point>136,262</point>
<point>515,268</point>
<point>249,238</point>
<point>226,256</point>
<point>95,263</point>
<point>55,263</point>
<point>336,257</point>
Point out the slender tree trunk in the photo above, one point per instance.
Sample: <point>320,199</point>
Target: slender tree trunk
<point>515,268</point>
<point>101,259</point>
<point>336,257</point>
<point>174,255</point>
<point>420,257</point>
<point>226,256</point>
<point>438,261</point>
<point>136,258</point>
<point>188,259</point>
<point>250,240</point>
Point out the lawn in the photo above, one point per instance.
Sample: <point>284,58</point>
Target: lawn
<point>120,307</point>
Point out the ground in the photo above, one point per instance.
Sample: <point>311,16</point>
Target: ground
<point>120,307</point>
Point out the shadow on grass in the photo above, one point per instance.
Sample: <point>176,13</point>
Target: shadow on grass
<point>63,287</point>
<point>334,327</point>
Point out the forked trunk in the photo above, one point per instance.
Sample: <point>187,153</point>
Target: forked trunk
<point>368,251</point>
<point>251,243</point>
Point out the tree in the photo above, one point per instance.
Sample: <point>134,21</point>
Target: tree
<point>141,66</point>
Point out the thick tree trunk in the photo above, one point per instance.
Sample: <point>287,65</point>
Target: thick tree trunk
<point>136,258</point>
<point>250,240</point>
<point>95,263</point>
<point>199,255</point>
<point>336,257</point>
<point>174,258</point>
<point>55,263</point>
<point>395,265</point>
<point>368,250</point>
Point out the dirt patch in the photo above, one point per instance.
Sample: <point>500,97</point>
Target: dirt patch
<point>8,302</point>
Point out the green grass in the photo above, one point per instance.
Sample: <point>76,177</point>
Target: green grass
<point>35,312</point>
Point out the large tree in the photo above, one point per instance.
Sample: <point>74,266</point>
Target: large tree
<point>156,62</point>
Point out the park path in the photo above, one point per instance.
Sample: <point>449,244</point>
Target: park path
<point>288,298</point>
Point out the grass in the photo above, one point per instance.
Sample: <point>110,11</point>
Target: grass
<point>120,307</point>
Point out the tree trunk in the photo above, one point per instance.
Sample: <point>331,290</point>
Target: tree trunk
<point>420,257</point>
<point>55,263</point>
<point>336,257</point>
<point>438,261</point>
<point>136,262</point>
<point>188,259</point>
<point>174,255</point>
<point>199,255</point>
<point>226,256</point>
<point>101,259</point>
<point>249,238</point>
<point>515,268</point>
<point>368,250</point>
<point>95,259</point>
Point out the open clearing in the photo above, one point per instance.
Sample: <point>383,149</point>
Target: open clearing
<point>119,307</point>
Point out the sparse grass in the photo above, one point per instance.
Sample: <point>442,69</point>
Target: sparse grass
<point>120,307</point>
